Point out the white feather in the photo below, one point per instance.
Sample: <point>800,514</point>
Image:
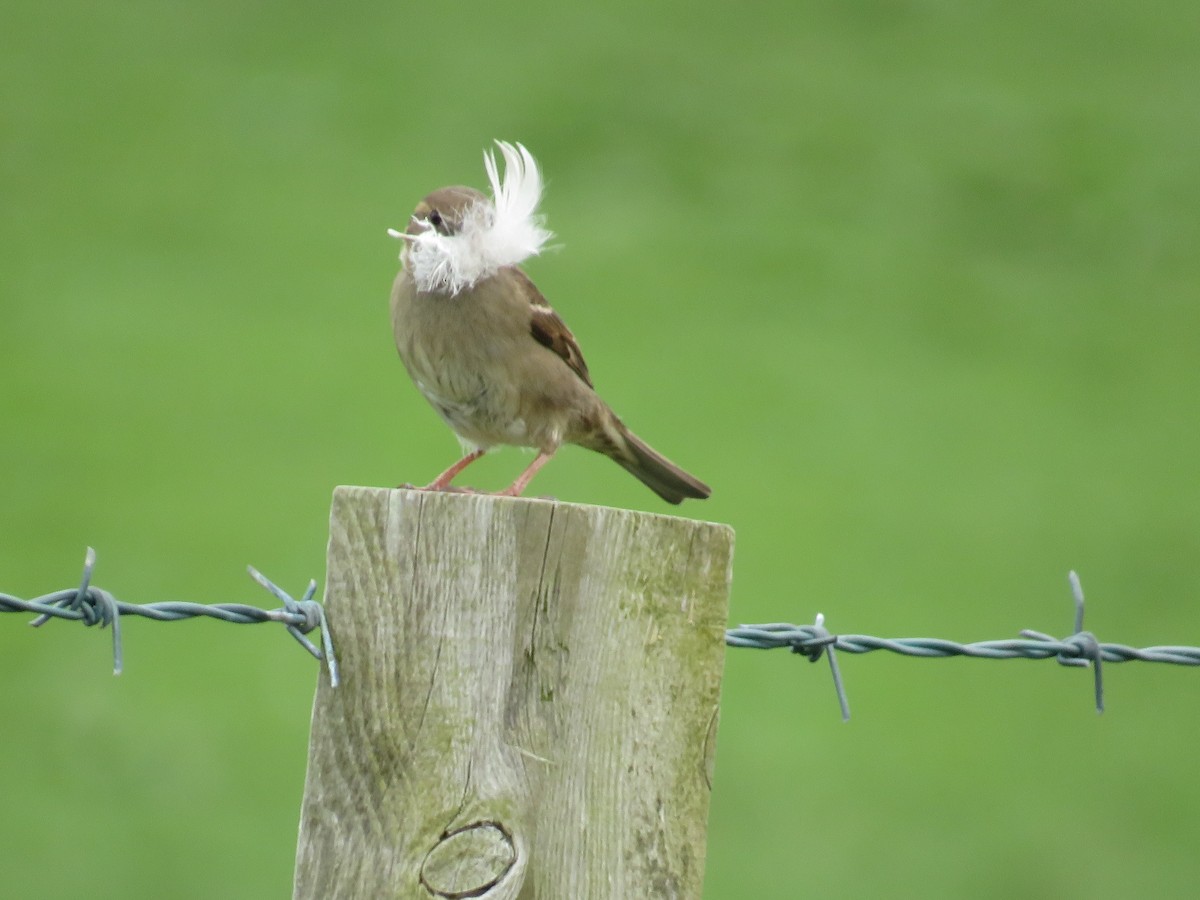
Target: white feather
<point>503,231</point>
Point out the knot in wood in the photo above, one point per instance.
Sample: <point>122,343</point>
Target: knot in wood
<point>469,861</point>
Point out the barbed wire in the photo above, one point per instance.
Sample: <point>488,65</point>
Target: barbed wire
<point>1081,648</point>
<point>96,606</point>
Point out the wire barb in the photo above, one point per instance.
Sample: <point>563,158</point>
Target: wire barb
<point>95,606</point>
<point>822,639</point>
<point>1081,648</point>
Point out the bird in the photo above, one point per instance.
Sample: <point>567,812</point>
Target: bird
<point>487,350</point>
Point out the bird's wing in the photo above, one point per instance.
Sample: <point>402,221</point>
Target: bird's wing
<point>549,330</point>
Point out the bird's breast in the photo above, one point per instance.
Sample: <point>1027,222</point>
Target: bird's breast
<point>474,358</point>
<point>458,350</point>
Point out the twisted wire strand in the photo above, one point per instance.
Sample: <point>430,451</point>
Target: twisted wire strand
<point>804,639</point>
<point>1081,648</point>
<point>96,606</point>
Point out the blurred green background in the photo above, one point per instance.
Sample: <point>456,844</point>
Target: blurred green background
<point>912,285</point>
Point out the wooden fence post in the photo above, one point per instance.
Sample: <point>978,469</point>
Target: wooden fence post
<point>528,701</point>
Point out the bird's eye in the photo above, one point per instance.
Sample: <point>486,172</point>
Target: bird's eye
<point>435,219</point>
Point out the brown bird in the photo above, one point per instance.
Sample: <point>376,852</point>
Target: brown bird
<point>485,348</point>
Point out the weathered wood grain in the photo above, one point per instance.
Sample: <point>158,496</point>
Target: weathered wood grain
<point>528,703</point>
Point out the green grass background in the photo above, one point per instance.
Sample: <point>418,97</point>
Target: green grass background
<point>912,285</point>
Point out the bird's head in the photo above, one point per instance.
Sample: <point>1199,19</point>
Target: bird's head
<point>445,211</point>
<point>457,236</point>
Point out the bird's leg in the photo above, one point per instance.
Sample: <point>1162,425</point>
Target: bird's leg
<point>443,481</point>
<point>522,482</point>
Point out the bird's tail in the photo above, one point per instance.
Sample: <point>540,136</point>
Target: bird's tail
<point>658,473</point>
